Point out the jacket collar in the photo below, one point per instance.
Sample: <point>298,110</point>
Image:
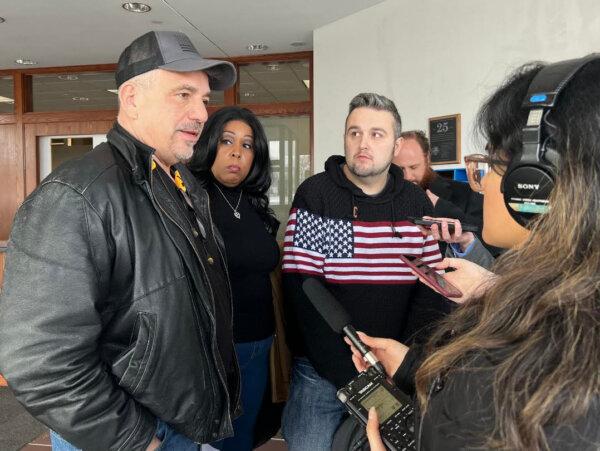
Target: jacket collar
<point>137,154</point>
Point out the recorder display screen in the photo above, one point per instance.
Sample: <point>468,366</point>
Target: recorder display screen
<point>383,401</point>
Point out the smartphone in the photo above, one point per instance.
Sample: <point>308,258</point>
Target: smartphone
<point>436,280</point>
<point>429,222</point>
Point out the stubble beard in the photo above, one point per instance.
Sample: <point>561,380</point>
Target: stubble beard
<point>183,152</point>
<point>184,155</point>
<point>369,171</point>
<point>366,172</point>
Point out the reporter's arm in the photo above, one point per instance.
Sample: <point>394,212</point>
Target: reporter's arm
<point>404,377</point>
<point>389,352</point>
<point>471,279</point>
<point>475,252</point>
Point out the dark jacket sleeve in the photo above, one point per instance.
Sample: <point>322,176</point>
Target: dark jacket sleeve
<point>471,214</point>
<point>50,325</point>
<point>404,378</point>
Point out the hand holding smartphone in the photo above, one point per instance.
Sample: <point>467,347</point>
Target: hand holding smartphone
<point>436,280</point>
<point>429,222</point>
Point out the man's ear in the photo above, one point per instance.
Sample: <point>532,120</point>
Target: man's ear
<point>397,146</point>
<point>129,98</point>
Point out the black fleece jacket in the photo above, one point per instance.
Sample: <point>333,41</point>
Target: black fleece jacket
<point>351,241</point>
<point>461,415</point>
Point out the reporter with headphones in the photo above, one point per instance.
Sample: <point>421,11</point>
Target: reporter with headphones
<point>517,365</point>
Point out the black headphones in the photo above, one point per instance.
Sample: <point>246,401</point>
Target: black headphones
<point>529,178</point>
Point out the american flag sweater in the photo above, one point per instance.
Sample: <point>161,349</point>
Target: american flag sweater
<point>351,242</point>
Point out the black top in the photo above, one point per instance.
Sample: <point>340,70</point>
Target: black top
<point>252,253</point>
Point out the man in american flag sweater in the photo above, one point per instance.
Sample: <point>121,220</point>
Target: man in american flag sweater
<point>347,227</point>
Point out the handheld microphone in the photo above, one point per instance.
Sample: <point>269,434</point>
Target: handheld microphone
<point>338,318</point>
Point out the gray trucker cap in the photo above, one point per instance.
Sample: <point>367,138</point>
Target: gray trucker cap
<point>171,50</point>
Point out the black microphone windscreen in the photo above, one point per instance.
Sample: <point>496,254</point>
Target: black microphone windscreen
<point>330,309</point>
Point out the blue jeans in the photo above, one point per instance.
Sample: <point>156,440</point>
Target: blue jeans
<point>171,440</point>
<point>312,413</point>
<point>253,358</point>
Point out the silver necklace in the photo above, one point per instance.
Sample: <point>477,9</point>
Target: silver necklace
<point>236,213</point>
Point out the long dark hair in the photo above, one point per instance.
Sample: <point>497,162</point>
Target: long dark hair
<point>540,318</point>
<point>257,183</point>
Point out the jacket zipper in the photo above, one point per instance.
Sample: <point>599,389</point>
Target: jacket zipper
<point>214,331</point>
<point>237,366</point>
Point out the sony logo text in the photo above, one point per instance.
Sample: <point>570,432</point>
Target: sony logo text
<point>528,186</point>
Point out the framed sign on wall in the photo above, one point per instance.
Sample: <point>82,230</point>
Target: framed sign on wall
<point>444,137</point>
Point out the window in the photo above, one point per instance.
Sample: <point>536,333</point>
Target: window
<point>74,91</point>
<point>7,96</point>
<point>274,82</point>
<point>289,148</point>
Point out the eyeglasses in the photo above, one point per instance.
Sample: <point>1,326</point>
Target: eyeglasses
<point>478,165</point>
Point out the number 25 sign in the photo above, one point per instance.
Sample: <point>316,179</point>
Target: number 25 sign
<point>444,137</point>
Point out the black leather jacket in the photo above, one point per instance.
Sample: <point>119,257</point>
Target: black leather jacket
<point>106,315</point>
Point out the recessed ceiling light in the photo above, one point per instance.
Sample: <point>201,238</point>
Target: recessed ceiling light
<point>6,100</point>
<point>273,66</point>
<point>134,7</point>
<point>298,44</point>
<point>69,77</point>
<point>2,20</point>
<point>114,91</point>
<point>81,99</point>
<point>257,47</point>
<point>249,94</point>
<point>25,61</point>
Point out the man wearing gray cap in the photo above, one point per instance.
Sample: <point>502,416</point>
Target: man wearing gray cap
<point>115,315</point>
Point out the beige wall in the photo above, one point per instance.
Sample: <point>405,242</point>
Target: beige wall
<point>435,57</point>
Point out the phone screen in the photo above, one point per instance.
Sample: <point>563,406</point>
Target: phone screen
<point>431,275</point>
<point>429,271</point>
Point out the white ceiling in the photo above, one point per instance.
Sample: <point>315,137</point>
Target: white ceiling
<point>74,32</point>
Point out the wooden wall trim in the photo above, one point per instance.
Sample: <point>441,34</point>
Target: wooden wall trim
<point>249,59</point>
<point>61,69</point>
<point>312,116</point>
<point>2,381</point>
<point>11,176</point>
<point>20,84</point>
<point>8,119</point>
<point>279,109</point>
<point>69,116</point>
